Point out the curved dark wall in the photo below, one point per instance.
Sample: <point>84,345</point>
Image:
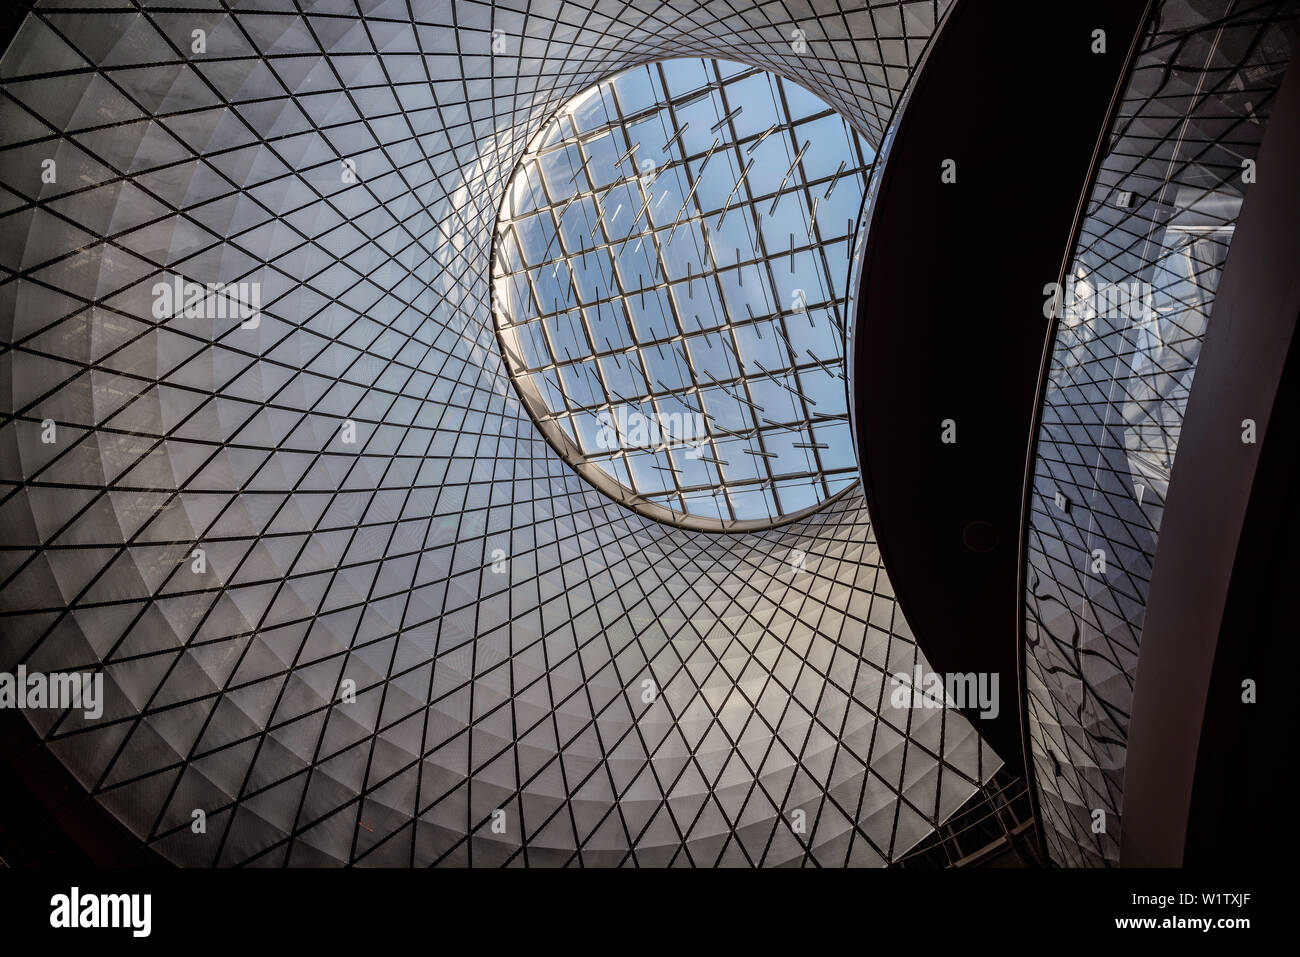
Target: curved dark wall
<point>1237,760</point>
<point>950,321</point>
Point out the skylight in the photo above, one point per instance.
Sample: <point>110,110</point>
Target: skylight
<point>669,273</point>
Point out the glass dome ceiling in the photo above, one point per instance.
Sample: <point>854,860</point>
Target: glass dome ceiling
<point>669,282</point>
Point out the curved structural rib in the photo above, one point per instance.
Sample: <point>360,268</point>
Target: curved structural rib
<point>1220,619</point>
<point>975,203</point>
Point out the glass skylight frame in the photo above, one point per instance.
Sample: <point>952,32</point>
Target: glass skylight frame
<point>663,362</point>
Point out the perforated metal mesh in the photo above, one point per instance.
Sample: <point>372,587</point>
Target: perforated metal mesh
<point>498,617</point>
<point>1141,291</point>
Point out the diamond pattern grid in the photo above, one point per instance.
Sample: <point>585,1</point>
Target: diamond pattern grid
<point>481,685</point>
<point>1162,213</point>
